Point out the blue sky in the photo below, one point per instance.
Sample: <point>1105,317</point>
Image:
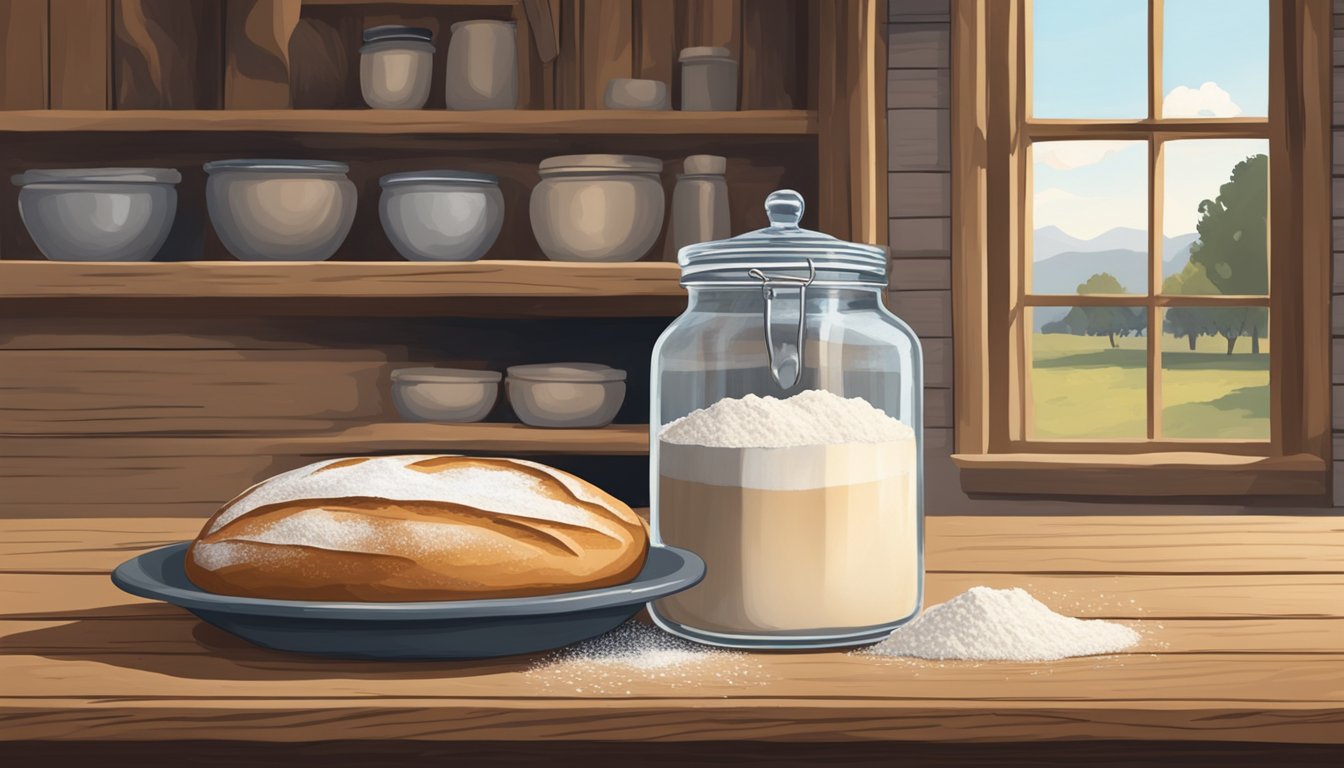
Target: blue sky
<point>1090,61</point>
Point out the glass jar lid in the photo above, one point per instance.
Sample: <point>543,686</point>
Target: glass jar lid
<point>782,246</point>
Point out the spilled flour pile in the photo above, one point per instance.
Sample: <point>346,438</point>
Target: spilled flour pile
<point>636,652</point>
<point>984,624</point>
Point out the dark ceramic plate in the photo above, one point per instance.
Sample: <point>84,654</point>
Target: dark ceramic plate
<point>460,629</point>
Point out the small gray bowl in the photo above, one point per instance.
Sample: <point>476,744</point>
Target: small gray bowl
<point>566,395</point>
<point>460,629</point>
<point>452,395</point>
<point>441,215</point>
<point>98,214</point>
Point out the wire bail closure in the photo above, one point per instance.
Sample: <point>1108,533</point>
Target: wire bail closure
<point>787,368</point>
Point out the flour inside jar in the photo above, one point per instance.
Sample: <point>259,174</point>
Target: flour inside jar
<point>804,509</point>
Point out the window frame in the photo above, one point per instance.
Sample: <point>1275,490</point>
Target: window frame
<point>991,178</point>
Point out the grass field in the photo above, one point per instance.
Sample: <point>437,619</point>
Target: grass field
<point>1083,389</point>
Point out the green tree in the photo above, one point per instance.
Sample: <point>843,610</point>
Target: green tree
<point>1099,321</point>
<point>1190,322</point>
<point>1232,249</point>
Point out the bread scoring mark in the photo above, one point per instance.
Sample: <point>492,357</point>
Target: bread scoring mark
<point>341,464</point>
<point>552,535</point>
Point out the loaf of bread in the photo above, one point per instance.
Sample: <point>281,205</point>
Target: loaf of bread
<point>405,528</point>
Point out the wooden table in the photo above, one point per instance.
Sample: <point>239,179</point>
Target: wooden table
<point>1242,657</point>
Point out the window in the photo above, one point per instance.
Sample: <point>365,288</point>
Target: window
<point>1141,245</point>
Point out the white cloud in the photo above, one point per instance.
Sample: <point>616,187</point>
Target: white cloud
<point>1067,155</point>
<point>1053,195</point>
<point>1206,101</point>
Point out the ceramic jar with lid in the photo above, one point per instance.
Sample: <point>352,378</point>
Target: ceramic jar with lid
<point>708,79</point>
<point>598,207</point>
<point>396,66</point>
<point>482,65</point>
<point>699,203</point>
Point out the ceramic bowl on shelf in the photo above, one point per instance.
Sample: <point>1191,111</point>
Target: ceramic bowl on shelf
<point>280,210</point>
<point>453,395</point>
<point>634,93</point>
<point>441,215</point>
<point>98,214</point>
<point>598,207</point>
<point>571,395</point>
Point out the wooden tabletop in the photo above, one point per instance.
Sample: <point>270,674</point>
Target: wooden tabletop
<point>1242,621</point>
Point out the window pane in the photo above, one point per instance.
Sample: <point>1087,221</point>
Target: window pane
<point>1089,217</point>
<point>1089,373</point>
<point>1215,58</point>
<point>1089,59</point>
<point>1215,373</point>
<point>1215,216</point>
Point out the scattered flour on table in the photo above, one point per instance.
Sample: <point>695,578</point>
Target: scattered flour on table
<point>639,653</point>
<point>813,417</point>
<point>984,624</point>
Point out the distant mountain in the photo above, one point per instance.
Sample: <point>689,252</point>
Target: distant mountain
<point>1062,271</point>
<point>1051,241</point>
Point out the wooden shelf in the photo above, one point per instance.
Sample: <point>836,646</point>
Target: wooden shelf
<point>614,440</point>
<point>399,280</point>
<point>387,121</point>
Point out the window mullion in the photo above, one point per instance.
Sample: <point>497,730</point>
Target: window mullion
<point>1155,186</point>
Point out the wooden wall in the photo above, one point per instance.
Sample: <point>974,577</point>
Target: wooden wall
<point>919,87</point>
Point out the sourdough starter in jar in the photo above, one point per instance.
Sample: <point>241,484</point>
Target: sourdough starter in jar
<point>805,511</point>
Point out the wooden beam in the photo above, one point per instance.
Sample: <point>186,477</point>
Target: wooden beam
<point>23,42</point>
<point>81,54</point>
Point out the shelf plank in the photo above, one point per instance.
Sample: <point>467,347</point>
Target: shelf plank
<point>388,121</point>
<point>336,280</point>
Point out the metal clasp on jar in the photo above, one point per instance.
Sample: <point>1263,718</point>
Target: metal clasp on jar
<point>787,365</point>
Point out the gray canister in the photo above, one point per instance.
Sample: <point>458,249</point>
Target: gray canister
<point>708,79</point>
<point>699,204</point>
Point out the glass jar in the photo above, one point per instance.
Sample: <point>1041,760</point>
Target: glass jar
<point>786,442</point>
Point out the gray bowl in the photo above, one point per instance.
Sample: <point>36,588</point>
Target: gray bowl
<point>461,629</point>
<point>441,215</point>
<point>98,214</point>
<point>280,210</point>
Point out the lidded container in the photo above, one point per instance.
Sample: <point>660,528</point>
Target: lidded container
<point>396,66</point>
<point>787,442</point>
<point>482,65</point>
<point>708,79</point>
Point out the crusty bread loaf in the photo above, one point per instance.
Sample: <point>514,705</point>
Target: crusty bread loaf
<point>403,528</point>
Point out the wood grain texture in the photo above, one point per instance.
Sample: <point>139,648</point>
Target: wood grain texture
<point>24,41</point>
<point>256,53</point>
<point>918,140</point>
<point>773,43</point>
<point>335,280</point>
<point>166,54</point>
<point>382,121</point>
<point>1250,657</point>
<point>61,392</point>
<point>929,313</point>
<point>919,195</point>
<point>918,46</point>
<point>920,238</point>
<point>608,47</point>
<point>1156,545</point>
<point>919,88</point>
<point>45,477</point>
<point>656,44</point>
<point>81,54</point>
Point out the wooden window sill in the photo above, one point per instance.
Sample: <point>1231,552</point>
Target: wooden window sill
<point>1144,474</point>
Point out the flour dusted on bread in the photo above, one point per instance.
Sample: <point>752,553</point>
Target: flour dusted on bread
<point>399,528</point>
